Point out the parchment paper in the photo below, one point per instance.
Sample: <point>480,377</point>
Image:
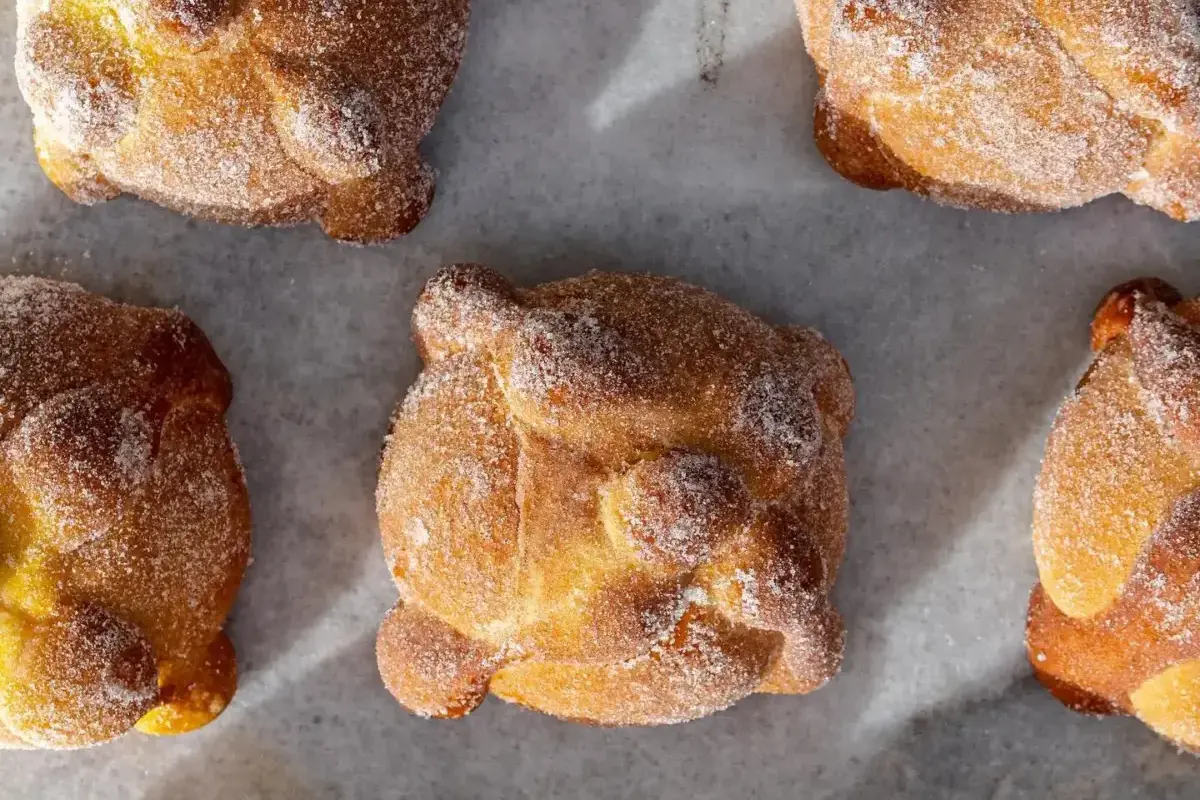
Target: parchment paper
<point>580,135</point>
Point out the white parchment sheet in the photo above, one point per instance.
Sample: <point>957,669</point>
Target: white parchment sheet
<point>580,135</point>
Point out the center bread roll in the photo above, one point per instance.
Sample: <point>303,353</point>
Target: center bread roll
<point>617,499</point>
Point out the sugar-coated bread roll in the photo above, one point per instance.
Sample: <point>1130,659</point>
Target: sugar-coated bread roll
<point>258,112</point>
<point>1114,625</point>
<point>1012,105</point>
<point>126,525</point>
<point>617,499</point>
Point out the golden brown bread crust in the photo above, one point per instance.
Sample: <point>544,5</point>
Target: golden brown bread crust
<point>1012,105</point>
<point>617,499</point>
<point>126,521</point>
<point>257,112</point>
<point>1114,625</point>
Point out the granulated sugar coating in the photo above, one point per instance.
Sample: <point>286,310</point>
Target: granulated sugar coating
<point>617,499</point>
<point>1114,625</point>
<point>124,520</point>
<point>1012,105</point>
<point>263,112</point>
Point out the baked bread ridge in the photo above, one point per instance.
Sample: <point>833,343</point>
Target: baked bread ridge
<point>1011,105</point>
<point>1114,624</point>
<point>253,112</point>
<point>126,522</point>
<point>618,499</point>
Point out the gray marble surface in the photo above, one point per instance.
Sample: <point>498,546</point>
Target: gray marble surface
<point>580,135</point>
